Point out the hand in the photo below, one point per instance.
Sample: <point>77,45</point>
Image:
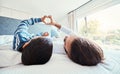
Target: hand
<point>45,34</point>
<point>49,20</point>
<point>43,19</point>
<point>53,23</point>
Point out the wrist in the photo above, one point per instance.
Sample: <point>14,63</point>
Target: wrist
<point>57,25</point>
<point>40,19</point>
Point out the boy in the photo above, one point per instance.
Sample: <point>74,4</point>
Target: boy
<point>35,50</point>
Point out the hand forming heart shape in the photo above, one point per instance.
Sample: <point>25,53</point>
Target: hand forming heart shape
<point>47,19</point>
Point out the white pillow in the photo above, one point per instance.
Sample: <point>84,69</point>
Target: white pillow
<point>9,58</point>
<point>6,39</point>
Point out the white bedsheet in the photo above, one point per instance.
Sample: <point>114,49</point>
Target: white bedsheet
<point>9,58</point>
<point>10,61</point>
<point>60,64</point>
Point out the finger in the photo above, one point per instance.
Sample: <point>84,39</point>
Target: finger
<point>51,19</point>
<point>44,22</point>
<point>43,19</point>
<point>45,16</point>
<point>50,16</point>
<point>46,34</point>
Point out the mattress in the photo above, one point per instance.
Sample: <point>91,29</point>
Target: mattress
<point>59,63</point>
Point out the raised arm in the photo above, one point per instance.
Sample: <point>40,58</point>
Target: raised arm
<point>26,23</point>
<point>31,21</point>
<point>54,23</point>
<point>21,35</point>
<point>62,28</point>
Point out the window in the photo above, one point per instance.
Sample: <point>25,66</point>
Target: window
<point>103,27</point>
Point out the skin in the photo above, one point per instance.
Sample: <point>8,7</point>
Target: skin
<point>44,34</point>
<point>67,43</point>
<point>67,40</point>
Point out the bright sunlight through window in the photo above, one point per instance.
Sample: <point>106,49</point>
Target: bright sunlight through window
<point>103,27</point>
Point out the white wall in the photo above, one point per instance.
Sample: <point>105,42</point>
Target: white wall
<point>89,8</point>
<point>94,6</point>
<point>8,12</point>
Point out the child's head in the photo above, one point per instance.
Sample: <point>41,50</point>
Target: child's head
<point>38,51</point>
<point>84,51</point>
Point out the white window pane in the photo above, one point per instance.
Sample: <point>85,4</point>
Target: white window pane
<point>103,27</point>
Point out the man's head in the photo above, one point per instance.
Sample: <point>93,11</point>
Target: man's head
<point>83,51</point>
<point>37,51</point>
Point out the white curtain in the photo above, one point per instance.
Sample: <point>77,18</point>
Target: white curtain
<point>72,21</point>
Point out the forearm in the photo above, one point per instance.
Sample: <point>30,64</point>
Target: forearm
<point>57,25</point>
<point>31,21</point>
<point>26,23</point>
<point>67,30</point>
<point>64,29</point>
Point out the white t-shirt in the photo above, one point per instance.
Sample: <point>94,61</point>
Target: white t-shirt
<point>58,43</point>
<point>67,30</point>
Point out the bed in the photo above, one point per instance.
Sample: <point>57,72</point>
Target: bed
<point>10,61</point>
